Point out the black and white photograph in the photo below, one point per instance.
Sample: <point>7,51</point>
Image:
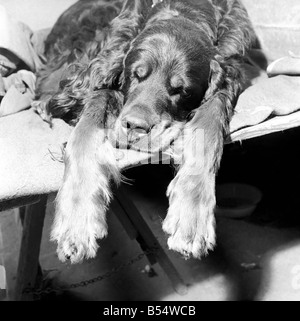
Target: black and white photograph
<point>149,152</point>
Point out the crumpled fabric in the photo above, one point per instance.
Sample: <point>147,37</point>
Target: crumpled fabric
<point>288,65</point>
<point>271,104</point>
<point>17,92</point>
<point>20,57</point>
<point>15,37</point>
<point>276,96</point>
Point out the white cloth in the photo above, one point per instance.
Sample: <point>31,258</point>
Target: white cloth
<point>15,37</point>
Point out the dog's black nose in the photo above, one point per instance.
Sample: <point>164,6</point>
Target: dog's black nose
<point>137,125</point>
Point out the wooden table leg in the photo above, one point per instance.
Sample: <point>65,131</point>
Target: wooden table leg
<point>28,266</point>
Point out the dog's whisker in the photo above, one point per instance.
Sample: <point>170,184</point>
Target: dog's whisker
<point>56,158</point>
<point>126,180</point>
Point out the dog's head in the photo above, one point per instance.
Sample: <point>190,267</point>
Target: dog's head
<point>165,76</point>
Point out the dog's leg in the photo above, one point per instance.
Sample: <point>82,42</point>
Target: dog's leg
<point>190,221</point>
<point>85,193</point>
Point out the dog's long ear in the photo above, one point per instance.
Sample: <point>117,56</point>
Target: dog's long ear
<point>234,37</point>
<point>107,68</point>
<point>225,85</point>
<point>190,220</point>
<point>235,31</point>
<point>103,71</point>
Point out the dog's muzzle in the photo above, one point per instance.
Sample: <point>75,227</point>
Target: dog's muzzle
<point>134,134</point>
<point>135,128</point>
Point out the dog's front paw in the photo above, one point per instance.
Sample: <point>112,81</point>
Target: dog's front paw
<point>190,222</point>
<point>76,243</point>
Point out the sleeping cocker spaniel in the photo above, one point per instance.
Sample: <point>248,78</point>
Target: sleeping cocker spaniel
<point>141,67</point>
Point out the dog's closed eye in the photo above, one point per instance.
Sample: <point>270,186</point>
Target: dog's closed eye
<point>141,72</point>
<point>187,93</point>
<point>173,91</point>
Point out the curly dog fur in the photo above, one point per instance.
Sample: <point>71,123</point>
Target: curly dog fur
<point>150,66</point>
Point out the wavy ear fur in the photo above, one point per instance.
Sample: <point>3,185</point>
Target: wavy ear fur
<point>104,70</point>
<point>190,221</point>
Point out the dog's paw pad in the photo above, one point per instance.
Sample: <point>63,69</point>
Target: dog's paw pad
<point>188,247</point>
<point>71,251</point>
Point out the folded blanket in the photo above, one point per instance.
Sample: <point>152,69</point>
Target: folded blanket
<point>271,104</point>
<point>31,156</point>
<point>16,38</point>
<point>26,163</point>
<point>269,97</point>
<point>288,65</point>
